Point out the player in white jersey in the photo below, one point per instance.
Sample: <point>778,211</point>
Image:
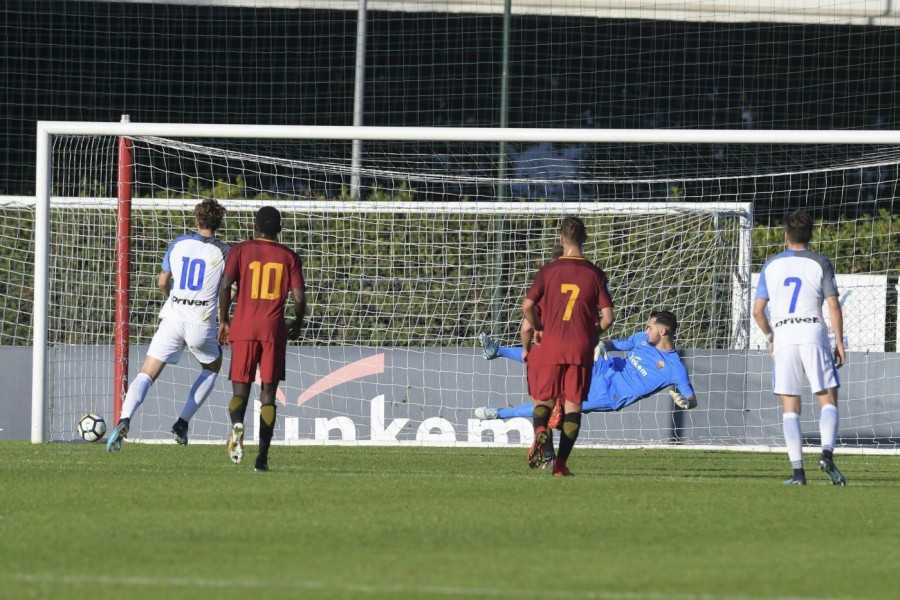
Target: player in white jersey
<point>793,285</point>
<point>191,273</point>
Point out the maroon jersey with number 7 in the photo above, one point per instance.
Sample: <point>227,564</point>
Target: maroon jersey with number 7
<point>571,292</point>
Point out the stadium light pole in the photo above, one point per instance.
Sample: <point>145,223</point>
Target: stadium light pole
<point>504,100</point>
<point>359,87</point>
<point>502,188</point>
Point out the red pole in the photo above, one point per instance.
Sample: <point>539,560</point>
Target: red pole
<point>123,270</point>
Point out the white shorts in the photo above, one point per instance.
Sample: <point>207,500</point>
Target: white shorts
<point>813,360</point>
<point>173,335</point>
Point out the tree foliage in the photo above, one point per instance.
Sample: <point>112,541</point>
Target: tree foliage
<point>391,278</point>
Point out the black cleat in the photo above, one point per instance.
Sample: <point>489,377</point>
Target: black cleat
<point>549,456</point>
<point>180,431</point>
<point>836,477</point>
<point>261,466</point>
<point>796,480</point>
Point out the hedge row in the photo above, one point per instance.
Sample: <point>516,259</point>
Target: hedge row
<point>420,280</point>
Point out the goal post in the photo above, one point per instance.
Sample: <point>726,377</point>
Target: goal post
<point>125,176</point>
<point>402,280</point>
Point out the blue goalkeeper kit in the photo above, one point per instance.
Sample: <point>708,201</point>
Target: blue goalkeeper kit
<point>619,382</point>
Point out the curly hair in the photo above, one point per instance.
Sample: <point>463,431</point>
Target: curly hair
<point>209,214</point>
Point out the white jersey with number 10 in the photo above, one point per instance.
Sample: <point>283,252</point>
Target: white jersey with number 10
<point>196,264</point>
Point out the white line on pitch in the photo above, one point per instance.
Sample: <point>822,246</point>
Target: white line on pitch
<point>406,590</point>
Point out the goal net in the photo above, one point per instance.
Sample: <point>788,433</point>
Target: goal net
<point>412,253</point>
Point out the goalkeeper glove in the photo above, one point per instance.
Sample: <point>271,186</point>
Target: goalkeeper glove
<point>601,350</point>
<point>294,328</point>
<point>680,401</point>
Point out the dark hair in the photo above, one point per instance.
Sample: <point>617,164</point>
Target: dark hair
<point>798,227</point>
<point>667,319</point>
<point>573,230</point>
<point>268,220</point>
<point>209,214</point>
<point>556,252</point>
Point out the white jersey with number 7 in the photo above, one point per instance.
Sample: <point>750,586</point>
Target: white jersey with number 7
<point>796,283</point>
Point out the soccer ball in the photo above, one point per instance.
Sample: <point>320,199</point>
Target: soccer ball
<point>91,427</point>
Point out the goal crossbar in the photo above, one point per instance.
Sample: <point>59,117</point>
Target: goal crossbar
<point>473,134</point>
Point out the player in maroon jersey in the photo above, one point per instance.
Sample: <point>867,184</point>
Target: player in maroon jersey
<point>266,273</point>
<point>575,307</point>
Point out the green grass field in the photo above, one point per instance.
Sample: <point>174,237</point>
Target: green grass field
<point>370,522</point>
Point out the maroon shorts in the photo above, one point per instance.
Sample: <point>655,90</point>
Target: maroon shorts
<point>248,355</point>
<point>559,382</point>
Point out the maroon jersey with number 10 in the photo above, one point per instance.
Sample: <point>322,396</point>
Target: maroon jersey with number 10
<point>265,272</point>
<point>571,292</point>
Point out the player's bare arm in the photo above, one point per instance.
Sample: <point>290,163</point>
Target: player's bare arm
<point>296,325</point>
<point>607,318</point>
<point>225,299</point>
<point>165,282</point>
<point>533,320</point>
<point>759,314</point>
<point>837,328</point>
<point>526,334</point>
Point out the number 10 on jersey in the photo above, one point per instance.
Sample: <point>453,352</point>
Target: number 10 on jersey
<point>265,283</point>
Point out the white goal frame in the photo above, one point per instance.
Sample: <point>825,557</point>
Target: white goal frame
<point>47,130</point>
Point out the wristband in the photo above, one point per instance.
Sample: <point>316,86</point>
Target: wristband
<point>770,336</point>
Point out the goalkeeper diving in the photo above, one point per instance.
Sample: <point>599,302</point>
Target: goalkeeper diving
<point>651,363</point>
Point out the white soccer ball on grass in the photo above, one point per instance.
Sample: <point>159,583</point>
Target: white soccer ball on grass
<point>91,427</point>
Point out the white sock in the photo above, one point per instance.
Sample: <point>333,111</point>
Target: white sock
<point>828,426</point>
<point>137,391</point>
<point>793,440</point>
<point>200,391</point>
